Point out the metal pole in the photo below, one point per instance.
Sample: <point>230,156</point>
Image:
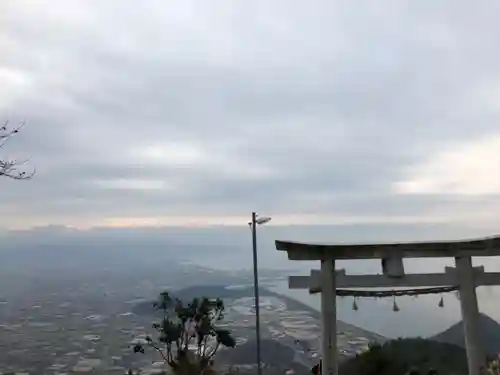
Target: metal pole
<point>256,290</point>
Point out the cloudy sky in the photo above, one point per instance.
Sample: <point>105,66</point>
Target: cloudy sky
<point>197,112</point>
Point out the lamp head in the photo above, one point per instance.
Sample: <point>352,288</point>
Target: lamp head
<point>262,220</point>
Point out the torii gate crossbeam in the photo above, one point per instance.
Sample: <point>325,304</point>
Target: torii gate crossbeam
<point>343,280</point>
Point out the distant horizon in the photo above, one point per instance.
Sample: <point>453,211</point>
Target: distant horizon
<point>277,221</point>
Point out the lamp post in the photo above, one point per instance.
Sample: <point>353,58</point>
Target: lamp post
<point>253,225</point>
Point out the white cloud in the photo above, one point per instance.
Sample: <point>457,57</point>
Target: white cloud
<point>170,153</point>
<point>13,84</point>
<point>131,184</point>
<point>470,168</point>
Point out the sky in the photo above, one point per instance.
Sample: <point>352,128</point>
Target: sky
<point>193,112</point>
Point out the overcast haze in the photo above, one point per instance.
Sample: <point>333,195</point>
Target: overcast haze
<point>195,112</point>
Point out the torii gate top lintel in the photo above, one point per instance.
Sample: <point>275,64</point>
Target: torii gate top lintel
<point>489,246</point>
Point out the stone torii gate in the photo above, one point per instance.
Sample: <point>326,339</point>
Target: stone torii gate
<point>463,275</point>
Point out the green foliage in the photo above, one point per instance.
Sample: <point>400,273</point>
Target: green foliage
<point>186,325</point>
<point>398,357</point>
<point>493,367</point>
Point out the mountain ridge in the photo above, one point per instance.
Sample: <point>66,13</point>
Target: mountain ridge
<point>489,330</point>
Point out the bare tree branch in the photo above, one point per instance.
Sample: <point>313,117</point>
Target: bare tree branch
<point>13,168</point>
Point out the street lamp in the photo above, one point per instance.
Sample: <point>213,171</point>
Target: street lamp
<point>253,226</point>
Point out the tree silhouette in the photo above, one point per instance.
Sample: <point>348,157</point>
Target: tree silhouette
<point>188,335</point>
<point>10,167</point>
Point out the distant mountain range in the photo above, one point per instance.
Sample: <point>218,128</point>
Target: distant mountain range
<point>489,329</point>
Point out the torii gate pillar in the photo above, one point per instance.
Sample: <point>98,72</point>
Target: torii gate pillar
<point>329,318</point>
<point>476,359</point>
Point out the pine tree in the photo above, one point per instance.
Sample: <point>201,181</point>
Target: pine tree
<point>188,335</point>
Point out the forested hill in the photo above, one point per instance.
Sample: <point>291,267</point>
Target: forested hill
<point>396,357</point>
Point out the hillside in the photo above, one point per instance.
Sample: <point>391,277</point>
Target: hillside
<point>396,357</point>
<point>274,354</point>
<point>490,331</point>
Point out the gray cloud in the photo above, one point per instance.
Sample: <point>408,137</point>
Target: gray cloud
<point>291,108</point>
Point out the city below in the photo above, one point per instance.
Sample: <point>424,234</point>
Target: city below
<point>89,326</point>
